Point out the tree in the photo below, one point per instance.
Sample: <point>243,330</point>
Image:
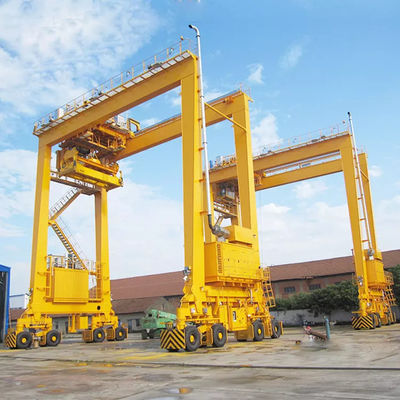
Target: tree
<point>396,278</point>
<point>343,296</point>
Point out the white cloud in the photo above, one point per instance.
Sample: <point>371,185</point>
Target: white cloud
<point>307,189</point>
<point>302,233</point>
<point>375,171</point>
<point>141,220</point>
<point>50,50</point>
<point>255,73</point>
<point>265,132</point>
<point>292,56</point>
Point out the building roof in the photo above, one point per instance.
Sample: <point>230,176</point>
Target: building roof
<point>167,284</point>
<point>127,306</point>
<point>326,267</point>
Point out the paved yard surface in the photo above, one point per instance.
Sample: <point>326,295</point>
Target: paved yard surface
<point>353,365</point>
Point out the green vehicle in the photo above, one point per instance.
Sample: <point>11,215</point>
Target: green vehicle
<point>154,321</point>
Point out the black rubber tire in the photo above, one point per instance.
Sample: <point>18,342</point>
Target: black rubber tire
<point>99,335</point>
<point>120,334</point>
<point>388,318</point>
<point>24,340</point>
<point>219,335</point>
<point>373,321</point>
<point>378,320</point>
<point>144,334</point>
<point>258,331</point>
<point>192,338</point>
<point>151,334</point>
<point>276,329</point>
<point>53,338</point>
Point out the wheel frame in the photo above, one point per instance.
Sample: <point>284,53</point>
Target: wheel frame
<point>219,335</point>
<point>192,338</point>
<point>50,335</point>
<point>26,340</point>
<point>96,338</point>
<point>258,331</point>
<point>119,329</point>
<point>276,328</point>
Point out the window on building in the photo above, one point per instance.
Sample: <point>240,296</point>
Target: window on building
<point>289,289</point>
<point>137,322</point>
<point>314,286</point>
<point>338,283</point>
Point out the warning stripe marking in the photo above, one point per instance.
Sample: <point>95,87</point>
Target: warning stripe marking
<point>172,339</point>
<point>362,322</point>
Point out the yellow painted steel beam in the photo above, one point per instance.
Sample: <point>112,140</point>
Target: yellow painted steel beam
<point>244,169</point>
<point>40,229</point>
<point>289,156</point>
<point>192,189</point>
<point>130,97</point>
<point>349,172</point>
<point>368,198</point>
<point>300,174</point>
<point>172,128</point>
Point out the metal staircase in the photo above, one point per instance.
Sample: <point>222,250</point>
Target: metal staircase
<point>267,287</point>
<point>63,233</point>
<point>68,242</point>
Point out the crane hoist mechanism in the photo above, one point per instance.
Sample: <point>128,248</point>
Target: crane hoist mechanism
<point>334,150</point>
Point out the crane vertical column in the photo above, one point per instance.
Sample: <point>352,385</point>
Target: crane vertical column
<point>192,192</point>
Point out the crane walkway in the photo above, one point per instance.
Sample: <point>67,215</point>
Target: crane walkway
<point>146,69</point>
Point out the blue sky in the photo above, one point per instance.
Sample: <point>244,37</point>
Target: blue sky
<point>306,63</point>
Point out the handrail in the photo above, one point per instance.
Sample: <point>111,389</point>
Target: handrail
<point>113,85</point>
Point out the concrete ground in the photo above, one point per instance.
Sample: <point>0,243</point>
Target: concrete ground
<point>353,365</point>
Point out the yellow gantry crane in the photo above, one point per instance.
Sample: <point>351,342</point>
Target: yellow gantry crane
<point>225,285</point>
<point>332,151</point>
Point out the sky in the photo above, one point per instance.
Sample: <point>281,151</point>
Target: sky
<point>305,64</point>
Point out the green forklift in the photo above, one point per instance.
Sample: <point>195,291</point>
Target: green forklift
<point>154,321</point>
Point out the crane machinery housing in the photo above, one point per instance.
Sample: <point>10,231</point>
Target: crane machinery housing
<point>225,285</point>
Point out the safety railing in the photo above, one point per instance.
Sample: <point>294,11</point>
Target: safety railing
<point>286,144</point>
<point>116,84</point>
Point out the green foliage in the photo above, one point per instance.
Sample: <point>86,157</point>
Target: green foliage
<point>396,278</point>
<point>343,296</point>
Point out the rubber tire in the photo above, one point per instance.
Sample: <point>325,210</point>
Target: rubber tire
<point>219,335</point>
<point>388,319</point>
<point>53,338</point>
<point>151,334</point>
<point>144,334</point>
<point>258,331</point>
<point>378,320</point>
<point>120,334</point>
<point>99,335</point>
<point>373,321</point>
<point>276,329</point>
<point>24,340</point>
<point>192,338</point>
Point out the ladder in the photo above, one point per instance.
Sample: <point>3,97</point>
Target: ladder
<point>388,292</point>
<point>267,287</point>
<point>365,226</point>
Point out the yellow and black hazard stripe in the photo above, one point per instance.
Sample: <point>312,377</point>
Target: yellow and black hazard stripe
<point>172,339</point>
<point>366,322</point>
<point>11,340</point>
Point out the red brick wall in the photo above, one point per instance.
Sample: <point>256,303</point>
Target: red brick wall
<point>302,285</point>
